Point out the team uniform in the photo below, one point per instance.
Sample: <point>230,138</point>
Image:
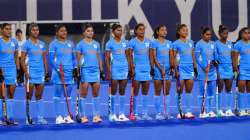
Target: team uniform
<point>163,58</point>
<point>36,70</point>
<point>225,71</point>
<point>119,69</point>
<point>8,66</point>
<point>62,53</point>
<point>186,68</point>
<point>90,71</point>
<point>205,53</point>
<point>142,69</point>
<point>244,72</point>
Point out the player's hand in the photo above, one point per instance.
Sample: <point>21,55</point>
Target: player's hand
<point>195,71</point>
<point>47,77</point>
<point>215,63</point>
<point>102,75</point>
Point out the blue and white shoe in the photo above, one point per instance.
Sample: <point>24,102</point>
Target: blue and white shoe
<point>41,120</point>
<point>159,116</point>
<point>113,118</point>
<point>137,117</point>
<point>146,117</point>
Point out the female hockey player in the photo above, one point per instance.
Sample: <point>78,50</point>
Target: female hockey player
<point>36,69</point>
<point>162,55</point>
<point>185,60</point>
<point>90,64</point>
<point>117,67</point>
<point>64,67</point>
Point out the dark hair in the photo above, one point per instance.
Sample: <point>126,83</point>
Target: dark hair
<point>86,26</point>
<point>19,31</point>
<point>156,31</point>
<point>137,26</point>
<point>4,25</point>
<point>32,25</point>
<point>205,29</point>
<point>241,32</point>
<point>115,26</point>
<point>179,27</point>
<point>59,26</point>
<point>222,28</point>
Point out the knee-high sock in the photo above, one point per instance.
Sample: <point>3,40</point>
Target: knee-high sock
<point>10,107</point>
<point>248,101</point>
<point>168,103</point>
<point>188,97</point>
<point>157,104</point>
<point>220,98</point>
<point>96,106</point>
<point>82,106</point>
<point>229,100</point>
<point>113,104</point>
<point>57,106</point>
<point>210,95</point>
<point>66,110</point>
<point>144,104</point>
<point>40,108</point>
<point>135,106</point>
<point>241,101</point>
<point>122,104</point>
<point>69,89</point>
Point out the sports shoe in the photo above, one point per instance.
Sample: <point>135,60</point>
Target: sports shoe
<point>60,120</point>
<point>189,115</point>
<point>179,116</point>
<point>68,119</point>
<point>137,117</point>
<point>97,119</point>
<point>123,118</point>
<point>229,113</point>
<point>84,119</point>
<point>159,116</point>
<point>146,117</point>
<point>203,115</point>
<point>221,113</point>
<point>211,114</point>
<point>41,120</point>
<point>243,113</point>
<point>113,118</point>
